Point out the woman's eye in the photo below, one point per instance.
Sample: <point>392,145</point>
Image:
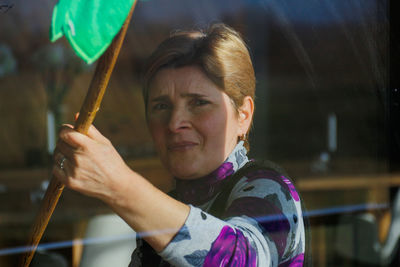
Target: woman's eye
<point>200,102</point>
<point>160,106</point>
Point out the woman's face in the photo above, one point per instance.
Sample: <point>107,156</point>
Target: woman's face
<point>193,123</point>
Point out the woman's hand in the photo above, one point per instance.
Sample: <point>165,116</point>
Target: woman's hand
<point>89,164</point>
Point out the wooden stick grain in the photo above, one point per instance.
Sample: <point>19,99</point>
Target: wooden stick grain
<point>87,114</point>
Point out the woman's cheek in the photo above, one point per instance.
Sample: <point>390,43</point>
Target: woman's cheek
<point>213,123</point>
<point>156,132</point>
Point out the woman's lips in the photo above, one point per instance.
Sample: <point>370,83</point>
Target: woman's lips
<point>181,146</point>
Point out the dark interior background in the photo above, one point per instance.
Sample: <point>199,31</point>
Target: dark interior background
<point>314,60</point>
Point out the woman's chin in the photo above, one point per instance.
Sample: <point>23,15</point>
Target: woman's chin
<point>189,169</point>
<point>184,174</point>
<point>183,167</point>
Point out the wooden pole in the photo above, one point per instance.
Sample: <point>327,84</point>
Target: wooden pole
<point>87,114</point>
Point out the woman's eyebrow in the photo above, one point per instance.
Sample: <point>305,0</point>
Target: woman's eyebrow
<point>159,98</point>
<point>184,95</point>
<point>192,95</point>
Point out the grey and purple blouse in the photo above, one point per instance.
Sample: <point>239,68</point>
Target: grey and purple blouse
<point>263,223</point>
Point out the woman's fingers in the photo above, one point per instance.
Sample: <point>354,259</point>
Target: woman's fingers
<point>73,138</point>
<point>86,164</point>
<point>65,149</point>
<point>75,146</point>
<point>65,171</point>
<point>60,168</point>
<point>59,174</point>
<point>96,135</point>
<point>59,160</point>
<point>66,134</point>
<point>79,140</point>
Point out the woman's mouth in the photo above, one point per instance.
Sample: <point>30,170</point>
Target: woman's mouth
<point>181,146</point>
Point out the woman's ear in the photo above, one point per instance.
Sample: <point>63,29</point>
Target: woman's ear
<point>246,115</point>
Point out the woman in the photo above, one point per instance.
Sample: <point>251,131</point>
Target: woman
<point>198,92</point>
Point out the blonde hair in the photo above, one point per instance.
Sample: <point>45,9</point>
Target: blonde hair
<point>219,51</point>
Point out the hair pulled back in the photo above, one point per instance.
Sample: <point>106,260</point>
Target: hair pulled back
<point>219,51</point>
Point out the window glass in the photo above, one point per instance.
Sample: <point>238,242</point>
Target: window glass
<point>322,109</point>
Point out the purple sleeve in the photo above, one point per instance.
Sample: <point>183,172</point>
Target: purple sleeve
<point>231,248</point>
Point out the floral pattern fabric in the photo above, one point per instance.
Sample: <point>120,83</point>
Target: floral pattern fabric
<point>230,249</point>
<point>262,226</point>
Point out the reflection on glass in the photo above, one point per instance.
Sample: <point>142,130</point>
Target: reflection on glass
<point>322,78</point>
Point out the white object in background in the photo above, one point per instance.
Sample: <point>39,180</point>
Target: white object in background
<point>108,241</point>
<point>51,132</point>
<point>357,237</point>
<point>332,132</point>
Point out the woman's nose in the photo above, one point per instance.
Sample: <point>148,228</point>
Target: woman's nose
<point>179,120</point>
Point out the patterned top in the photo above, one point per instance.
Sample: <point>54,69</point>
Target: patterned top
<point>263,223</point>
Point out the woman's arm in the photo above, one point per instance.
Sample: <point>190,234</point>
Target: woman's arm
<point>93,167</point>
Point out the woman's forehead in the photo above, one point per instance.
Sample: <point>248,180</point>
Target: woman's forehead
<point>184,81</point>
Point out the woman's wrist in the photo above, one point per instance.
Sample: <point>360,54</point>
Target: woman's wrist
<point>147,209</point>
<point>124,188</point>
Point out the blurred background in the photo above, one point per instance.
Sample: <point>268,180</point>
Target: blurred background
<point>327,110</point>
